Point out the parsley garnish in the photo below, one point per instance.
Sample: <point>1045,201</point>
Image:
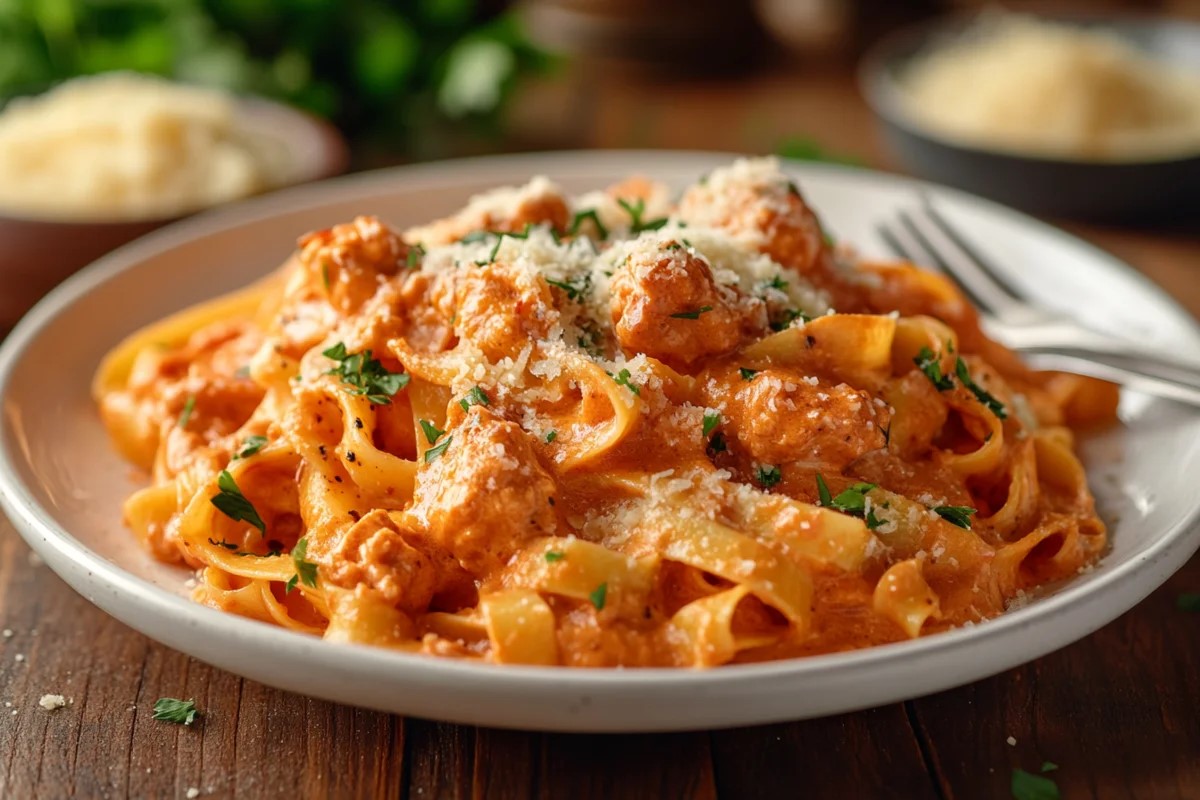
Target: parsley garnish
<point>573,292</point>
<point>415,254</point>
<point>747,374</point>
<point>437,450</point>
<point>711,420</point>
<point>500,240</point>
<point>432,434</point>
<point>591,214</point>
<point>1049,766</point>
<point>475,397</point>
<point>622,379</point>
<point>956,515</point>
<point>222,543</point>
<point>365,375</point>
<point>767,475</point>
<point>325,275</point>
<point>1027,786</point>
<point>635,210</point>
<point>692,314</point>
<point>554,555</point>
<point>852,501</point>
<point>250,446</point>
<point>551,436</point>
<point>785,320</point>
<point>981,394</point>
<point>182,712</point>
<point>802,148</point>
<point>189,406</point>
<point>233,504</point>
<point>306,571</point>
<point>928,363</point>
<point>475,236</point>
<point>1188,601</point>
<point>777,283</point>
<point>717,443</point>
<point>598,596</point>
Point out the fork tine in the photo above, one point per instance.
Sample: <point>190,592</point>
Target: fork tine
<point>893,243</point>
<point>956,237</point>
<point>972,278</point>
<point>938,259</point>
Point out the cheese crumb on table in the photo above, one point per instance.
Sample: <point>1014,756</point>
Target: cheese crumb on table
<point>51,702</point>
<point>1012,741</point>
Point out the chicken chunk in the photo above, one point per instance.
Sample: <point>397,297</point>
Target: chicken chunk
<point>500,308</point>
<point>666,304</point>
<point>486,494</point>
<point>350,261</point>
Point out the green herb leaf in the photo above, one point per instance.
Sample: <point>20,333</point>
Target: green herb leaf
<point>476,236</point>
<point>222,543</point>
<point>232,503</point>
<point>824,498</point>
<point>956,515</point>
<point>573,292</point>
<point>747,374</point>
<point>325,275</point>
<point>786,318</point>
<point>767,475</point>
<point>364,375</point>
<point>929,363</point>
<point>306,571</point>
<point>852,501</point>
<point>591,214</point>
<point>692,314</point>
<point>803,148</point>
<point>635,210</point>
<point>711,420</point>
<point>1027,786</point>
<point>598,596</point>
<point>717,443</point>
<point>1049,766</point>
<point>551,436</point>
<point>181,712</point>
<point>432,434</point>
<point>437,450</point>
<point>1188,601</point>
<point>554,555</point>
<point>475,397</point>
<point>622,378</point>
<point>250,446</point>
<point>189,406</point>
<point>982,395</point>
<point>777,283</point>
<point>415,254</point>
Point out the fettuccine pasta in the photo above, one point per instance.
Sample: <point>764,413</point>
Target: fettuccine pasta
<point>606,430</point>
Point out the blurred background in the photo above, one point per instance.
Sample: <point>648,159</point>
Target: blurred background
<point>396,81</point>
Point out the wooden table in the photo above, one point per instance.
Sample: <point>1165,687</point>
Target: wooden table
<point>1117,711</point>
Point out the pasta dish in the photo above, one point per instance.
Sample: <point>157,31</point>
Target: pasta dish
<point>618,429</point>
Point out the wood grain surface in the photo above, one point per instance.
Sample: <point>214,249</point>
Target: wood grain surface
<point>1117,711</point>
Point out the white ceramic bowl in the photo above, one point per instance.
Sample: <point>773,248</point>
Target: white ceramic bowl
<point>63,485</point>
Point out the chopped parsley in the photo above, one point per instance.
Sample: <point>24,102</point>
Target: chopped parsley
<point>852,501</point>
<point>232,503</point>
<point>554,555</point>
<point>930,364</point>
<point>306,571</point>
<point>956,515</point>
<point>591,214</point>
<point>475,236</point>
<point>435,451</point>
<point>1049,766</point>
<point>1027,786</point>
<point>717,443</point>
<point>432,434</point>
<point>415,254</point>
<point>189,406</point>
<point>598,596</point>
<point>786,318</point>
<point>500,240</point>
<point>692,314</point>
<point>803,148</point>
<point>711,420</point>
<point>222,543</point>
<point>767,475</point>
<point>747,374</point>
<point>365,375</point>
<point>572,291</point>
<point>181,712</point>
<point>981,394</point>
<point>777,283</point>
<point>622,379</point>
<point>636,210</point>
<point>475,397</point>
<point>250,446</point>
<point>1188,601</point>
<point>551,436</point>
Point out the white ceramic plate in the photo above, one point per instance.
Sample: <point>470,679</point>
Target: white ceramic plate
<point>62,484</point>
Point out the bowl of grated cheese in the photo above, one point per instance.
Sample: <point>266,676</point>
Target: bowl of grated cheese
<point>1085,117</point>
<point>98,161</point>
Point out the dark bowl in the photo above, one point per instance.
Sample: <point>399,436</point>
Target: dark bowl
<point>37,253</point>
<point>1092,190</point>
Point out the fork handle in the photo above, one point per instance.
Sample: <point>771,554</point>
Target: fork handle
<point>1145,371</point>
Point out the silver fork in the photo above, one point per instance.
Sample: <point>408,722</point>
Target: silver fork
<point>1052,340</point>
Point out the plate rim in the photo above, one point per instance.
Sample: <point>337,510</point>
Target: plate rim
<point>38,526</point>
